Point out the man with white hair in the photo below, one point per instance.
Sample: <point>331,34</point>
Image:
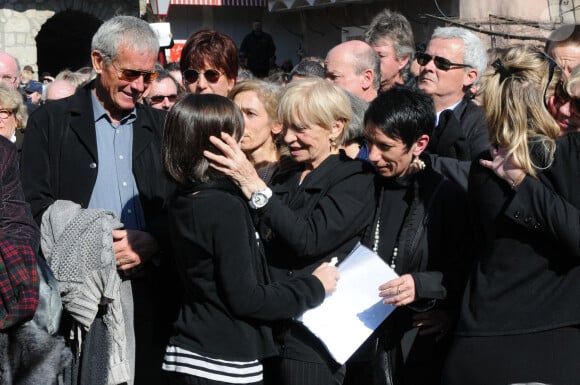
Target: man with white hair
<point>355,67</point>
<point>449,67</point>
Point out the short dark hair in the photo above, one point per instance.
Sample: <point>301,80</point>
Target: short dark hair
<point>188,126</point>
<point>308,69</point>
<point>213,47</point>
<point>402,113</point>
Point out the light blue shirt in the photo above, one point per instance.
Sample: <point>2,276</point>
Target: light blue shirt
<point>115,188</point>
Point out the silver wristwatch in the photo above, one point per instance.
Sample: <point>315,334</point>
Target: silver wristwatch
<point>260,198</point>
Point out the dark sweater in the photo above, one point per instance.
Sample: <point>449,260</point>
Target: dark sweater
<point>227,294</point>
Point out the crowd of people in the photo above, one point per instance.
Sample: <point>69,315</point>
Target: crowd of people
<point>169,224</point>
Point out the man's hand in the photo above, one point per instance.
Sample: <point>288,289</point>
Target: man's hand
<point>132,248</point>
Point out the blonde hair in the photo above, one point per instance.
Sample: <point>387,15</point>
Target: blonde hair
<point>316,101</point>
<point>12,100</point>
<point>268,93</point>
<point>513,98</point>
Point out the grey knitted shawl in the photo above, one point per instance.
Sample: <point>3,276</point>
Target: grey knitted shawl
<point>78,246</point>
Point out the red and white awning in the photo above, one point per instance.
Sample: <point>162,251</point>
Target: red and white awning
<point>219,3</point>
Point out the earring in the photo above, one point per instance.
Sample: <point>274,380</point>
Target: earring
<point>418,163</point>
<point>333,142</point>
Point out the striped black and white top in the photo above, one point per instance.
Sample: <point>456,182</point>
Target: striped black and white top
<point>235,372</point>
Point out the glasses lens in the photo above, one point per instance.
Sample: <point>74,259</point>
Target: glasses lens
<point>423,58</point>
<point>159,98</point>
<point>212,75</point>
<point>191,76</point>
<point>156,99</point>
<point>5,114</point>
<point>148,77</point>
<point>442,63</point>
<point>130,75</point>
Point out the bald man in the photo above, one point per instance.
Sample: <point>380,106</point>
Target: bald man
<point>59,89</point>
<point>9,70</point>
<point>355,67</point>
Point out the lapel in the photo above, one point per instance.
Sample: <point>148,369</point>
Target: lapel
<point>142,131</point>
<point>82,120</point>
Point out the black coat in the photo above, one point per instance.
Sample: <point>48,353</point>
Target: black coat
<point>424,215</point>
<point>306,224</point>
<point>59,156</point>
<point>527,276</point>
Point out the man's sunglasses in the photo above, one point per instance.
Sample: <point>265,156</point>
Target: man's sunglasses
<point>563,97</point>
<point>211,75</point>
<point>440,62</point>
<point>160,98</point>
<point>130,75</point>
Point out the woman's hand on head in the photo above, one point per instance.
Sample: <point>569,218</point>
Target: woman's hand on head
<point>234,164</point>
<point>504,166</point>
<point>328,276</point>
<point>399,291</point>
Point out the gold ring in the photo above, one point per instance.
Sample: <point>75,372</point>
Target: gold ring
<point>398,289</point>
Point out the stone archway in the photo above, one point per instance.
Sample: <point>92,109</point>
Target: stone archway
<point>64,41</point>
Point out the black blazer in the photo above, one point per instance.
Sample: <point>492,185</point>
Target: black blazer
<point>527,276</point>
<point>306,224</point>
<point>59,156</point>
<point>461,133</point>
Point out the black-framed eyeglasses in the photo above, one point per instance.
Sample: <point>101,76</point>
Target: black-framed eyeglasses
<point>5,114</point>
<point>440,62</point>
<point>156,99</point>
<point>211,75</point>
<point>130,75</point>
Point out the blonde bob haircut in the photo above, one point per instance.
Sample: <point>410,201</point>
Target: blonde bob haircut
<point>512,94</point>
<point>314,101</point>
<point>12,100</point>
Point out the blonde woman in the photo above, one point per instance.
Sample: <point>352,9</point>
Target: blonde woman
<point>318,211</point>
<point>520,320</point>
<point>258,101</point>
<point>13,114</point>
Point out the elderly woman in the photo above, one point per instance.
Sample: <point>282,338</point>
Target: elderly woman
<point>209,63</point>
<point>520,320</point>
<point>258,101</point>
<point>13,115</point>
<point>221,334</point>
<point>419,230</point>
<point>318,211</point>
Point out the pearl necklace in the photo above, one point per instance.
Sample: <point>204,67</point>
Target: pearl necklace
<point>393,263</point>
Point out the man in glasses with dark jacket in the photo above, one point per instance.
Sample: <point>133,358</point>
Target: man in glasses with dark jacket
<point>449,67</point>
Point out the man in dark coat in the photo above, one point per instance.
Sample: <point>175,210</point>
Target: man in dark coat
<point>101,149</point>
<point>449,68</point>
<point>259,49</point>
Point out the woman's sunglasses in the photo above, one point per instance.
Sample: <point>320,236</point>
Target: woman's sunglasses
<point>211,75</point>
<point>440,62</point>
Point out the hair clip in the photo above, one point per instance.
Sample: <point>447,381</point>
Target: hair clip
<point>501,70</point>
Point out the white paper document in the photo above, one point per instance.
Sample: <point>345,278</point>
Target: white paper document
<point>348,316</point>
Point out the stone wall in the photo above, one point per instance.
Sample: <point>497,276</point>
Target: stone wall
<point>21,20</point>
